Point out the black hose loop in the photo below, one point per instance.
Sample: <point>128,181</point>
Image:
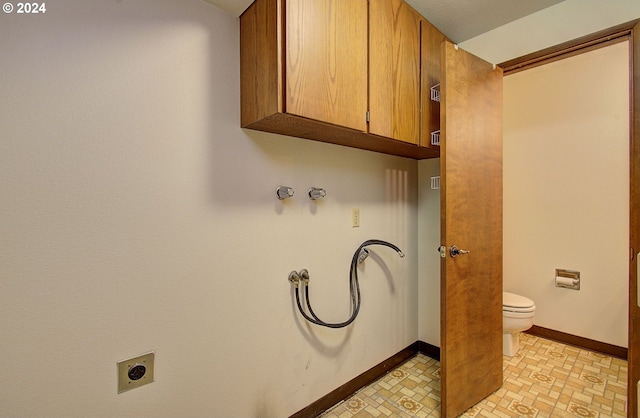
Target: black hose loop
<point>354,289</point>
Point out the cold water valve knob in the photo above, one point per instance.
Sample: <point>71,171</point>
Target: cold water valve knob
<point>316,193</point>
<point>284,192</point>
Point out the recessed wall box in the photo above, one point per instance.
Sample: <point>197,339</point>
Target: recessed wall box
<point>135,372</point>
<point>569,279</point>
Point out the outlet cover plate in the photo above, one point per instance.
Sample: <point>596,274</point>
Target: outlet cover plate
<point>135,372</point>
<point>355,218</point>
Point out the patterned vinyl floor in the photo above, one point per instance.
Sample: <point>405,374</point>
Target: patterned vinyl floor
<point>545,379</point>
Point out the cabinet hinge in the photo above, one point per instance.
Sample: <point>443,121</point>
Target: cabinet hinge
<point>368,116</point>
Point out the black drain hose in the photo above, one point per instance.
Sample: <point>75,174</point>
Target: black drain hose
<point>354,287</point>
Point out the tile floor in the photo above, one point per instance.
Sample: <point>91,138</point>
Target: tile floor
<point>545,379</point>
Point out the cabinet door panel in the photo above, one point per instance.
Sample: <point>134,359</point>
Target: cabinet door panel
<point>394,70</point>
<point>326,61</point>
<point>471,213</point>
<point>260,70</point>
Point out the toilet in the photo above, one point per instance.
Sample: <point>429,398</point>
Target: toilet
<point>517,316</point>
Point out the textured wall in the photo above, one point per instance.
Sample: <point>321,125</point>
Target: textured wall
<point>136,215</point>
<point>566,191</point>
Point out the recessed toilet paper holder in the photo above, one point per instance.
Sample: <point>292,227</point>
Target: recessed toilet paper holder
<point>569,279</point>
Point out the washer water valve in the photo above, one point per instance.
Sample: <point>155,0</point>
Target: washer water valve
<point>284,192</point>
<point>316,193</point>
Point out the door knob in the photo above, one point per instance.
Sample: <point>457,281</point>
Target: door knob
<point>455,251</point>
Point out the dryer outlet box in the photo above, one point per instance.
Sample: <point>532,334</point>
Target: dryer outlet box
<point>135,372</point>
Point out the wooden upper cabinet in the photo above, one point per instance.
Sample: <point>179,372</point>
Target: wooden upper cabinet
<point>394,70</point>
<point>313,68</point>
<point>326,61</point>
<point>431,45</point>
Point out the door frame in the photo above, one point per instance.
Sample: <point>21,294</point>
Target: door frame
<point>634,224</point>
<point>629,31</point>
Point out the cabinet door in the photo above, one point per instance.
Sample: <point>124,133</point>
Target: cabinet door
<point>326,61</point>
<point>394,70</point>
<point>471,213</point>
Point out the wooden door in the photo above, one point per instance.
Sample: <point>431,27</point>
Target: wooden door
<point>471,219</point>
<point>634,234</point>
<point>394,70</point>
<point>326,61</point>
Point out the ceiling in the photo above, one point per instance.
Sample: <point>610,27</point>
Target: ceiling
<point>459,20</point>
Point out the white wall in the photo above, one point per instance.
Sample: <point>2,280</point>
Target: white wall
<point>136,215</point>
<point>566,190</point>
<point>429,257</point>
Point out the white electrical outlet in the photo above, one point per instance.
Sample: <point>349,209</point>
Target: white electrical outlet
<point>355,218</point>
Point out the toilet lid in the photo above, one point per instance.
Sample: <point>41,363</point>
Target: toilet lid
<point>511,300</point>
